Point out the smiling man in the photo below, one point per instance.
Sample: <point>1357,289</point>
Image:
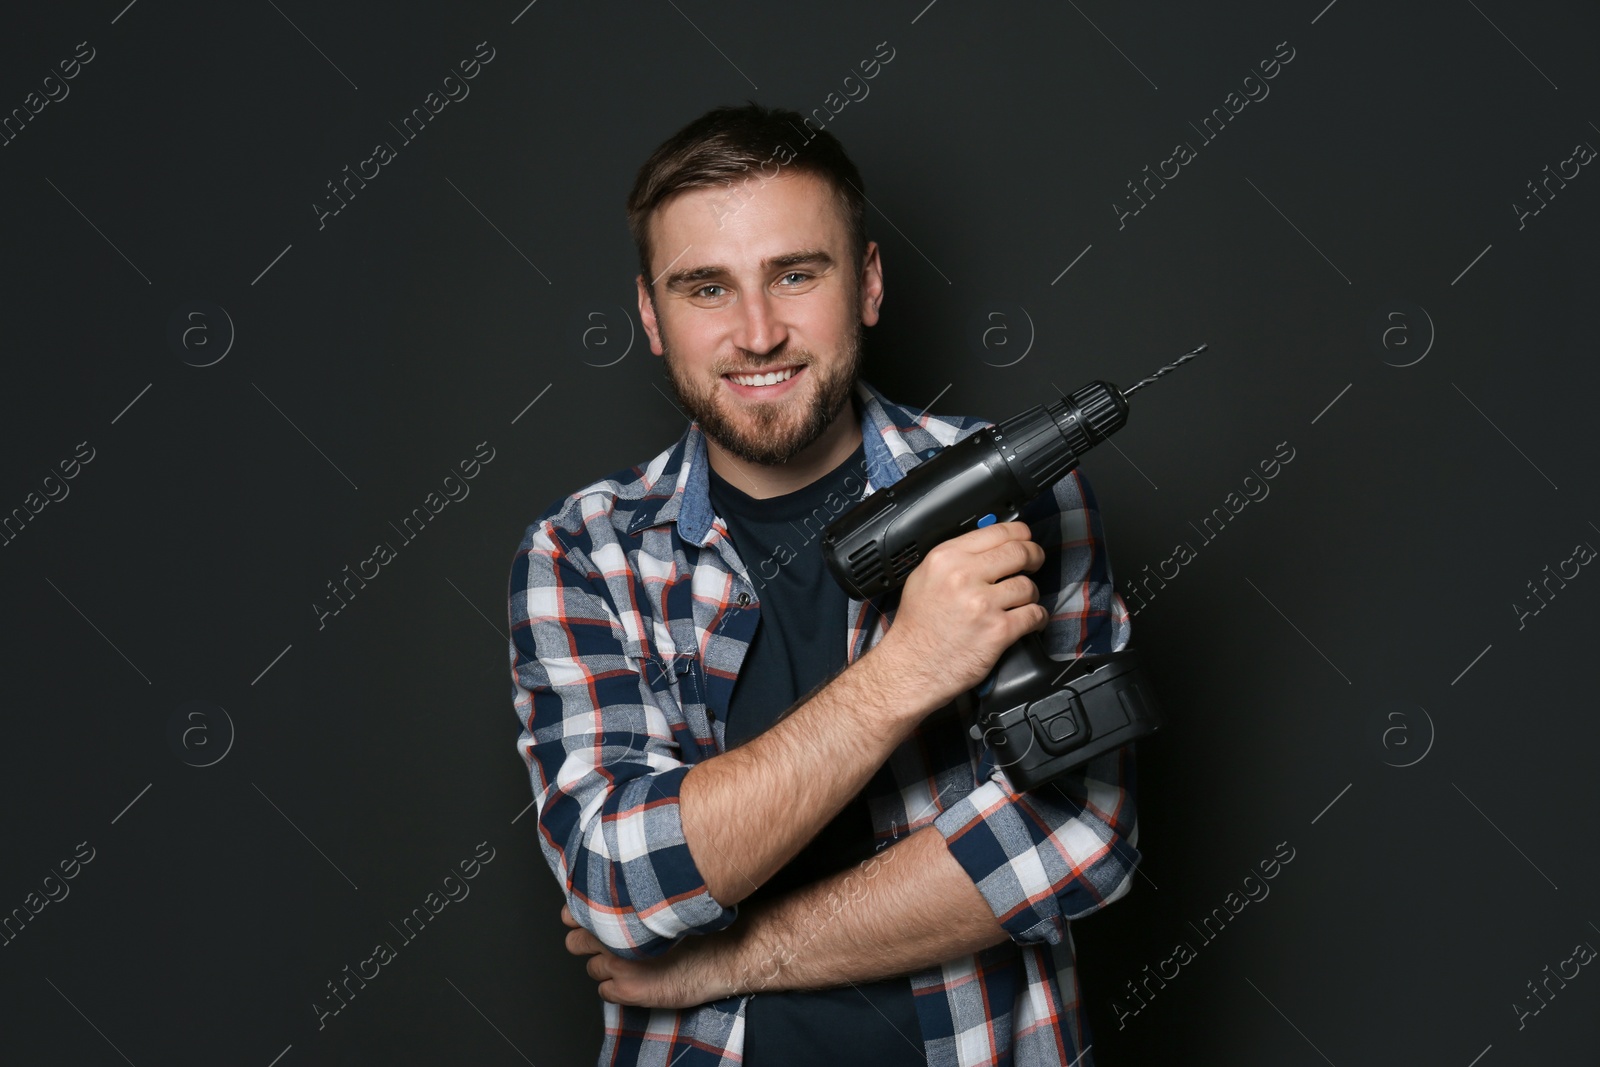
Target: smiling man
<point>777,841</point>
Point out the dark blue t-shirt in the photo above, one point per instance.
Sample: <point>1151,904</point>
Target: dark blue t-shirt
<point>799,644</point>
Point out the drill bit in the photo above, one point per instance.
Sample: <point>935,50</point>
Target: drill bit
<point>1169,368</point>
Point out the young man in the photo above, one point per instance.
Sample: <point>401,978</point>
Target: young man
<point>777,840</point>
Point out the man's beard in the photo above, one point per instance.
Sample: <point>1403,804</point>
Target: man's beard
<point>774,435</point>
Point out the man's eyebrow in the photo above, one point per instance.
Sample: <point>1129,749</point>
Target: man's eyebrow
<point>805,257</point>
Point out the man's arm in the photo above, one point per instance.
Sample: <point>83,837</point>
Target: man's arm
<point>750,810</point>
<point>603,762</point>
<point>910,907</point>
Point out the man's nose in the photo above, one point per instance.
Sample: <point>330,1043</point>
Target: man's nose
<point>761,328</point>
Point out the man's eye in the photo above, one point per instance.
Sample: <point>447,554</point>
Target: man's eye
<point>702,290</point>
<point>802,275</point>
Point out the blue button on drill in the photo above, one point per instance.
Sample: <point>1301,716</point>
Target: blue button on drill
<point>987,519</point>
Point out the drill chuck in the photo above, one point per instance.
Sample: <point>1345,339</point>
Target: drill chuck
<point>1045,442</point>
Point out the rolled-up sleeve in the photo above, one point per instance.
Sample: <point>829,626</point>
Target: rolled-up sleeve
<point>604,768</point>
<point>1065,849</point>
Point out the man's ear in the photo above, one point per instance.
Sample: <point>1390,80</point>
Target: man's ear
<point>871,285</point>
<point>647,315</point>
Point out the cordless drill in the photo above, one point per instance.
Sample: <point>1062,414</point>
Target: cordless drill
<point>1039,716</point>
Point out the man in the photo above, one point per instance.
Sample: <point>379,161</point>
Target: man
<point>777,841</point>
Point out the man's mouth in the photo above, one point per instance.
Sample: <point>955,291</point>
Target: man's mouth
<point>761,384</point>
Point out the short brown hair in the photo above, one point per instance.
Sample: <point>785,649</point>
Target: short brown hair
<point>728,144</point>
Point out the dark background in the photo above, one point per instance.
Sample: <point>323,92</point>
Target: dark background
<point>1342,668</point>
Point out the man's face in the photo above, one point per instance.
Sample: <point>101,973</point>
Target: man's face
<point>753,280</point>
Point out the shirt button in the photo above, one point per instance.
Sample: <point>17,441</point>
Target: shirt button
<point>744,600</point>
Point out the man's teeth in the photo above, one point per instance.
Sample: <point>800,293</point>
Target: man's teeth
<point>763,379</point>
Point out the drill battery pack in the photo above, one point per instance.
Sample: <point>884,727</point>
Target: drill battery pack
<point>1045,717</point>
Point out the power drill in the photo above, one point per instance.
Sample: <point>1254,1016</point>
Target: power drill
<point>1040,717</point>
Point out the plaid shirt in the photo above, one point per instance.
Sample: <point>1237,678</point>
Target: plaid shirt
<point>630,616</point>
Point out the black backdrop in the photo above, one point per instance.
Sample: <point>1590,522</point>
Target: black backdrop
<point>249,390</point>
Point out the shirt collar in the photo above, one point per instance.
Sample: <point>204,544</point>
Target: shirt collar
<point>896,439</point>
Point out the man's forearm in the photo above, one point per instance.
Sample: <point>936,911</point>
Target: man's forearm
<point>910,907</point>
<point>748,811</point>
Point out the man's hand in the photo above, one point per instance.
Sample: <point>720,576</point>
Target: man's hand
<point>962,607</point>
<point>692,972</point>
